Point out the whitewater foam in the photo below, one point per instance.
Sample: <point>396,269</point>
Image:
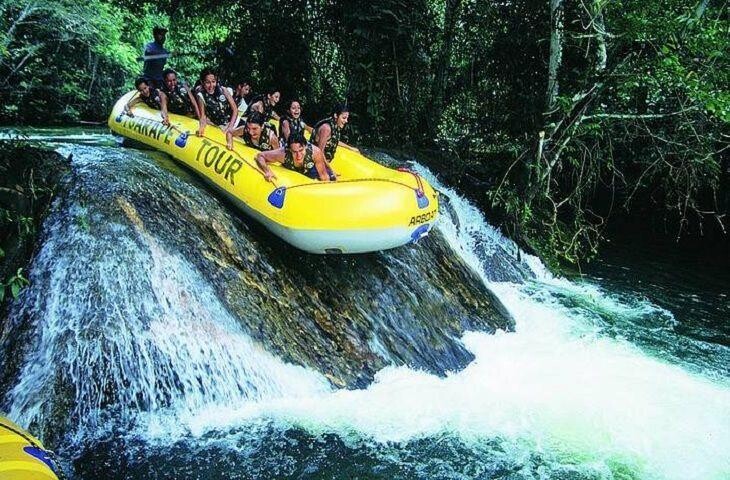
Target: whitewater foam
<point>556,385</point>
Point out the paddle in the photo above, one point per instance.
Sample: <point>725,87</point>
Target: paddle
<point>160,56</point>
<point>225,51</point>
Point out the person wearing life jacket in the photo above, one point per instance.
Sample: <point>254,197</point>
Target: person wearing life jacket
<point>242,96</point>
<point>299,156</point>
<point>180,99</point>
<point>216,106</point>
<point>150,96</point>
<point>265,104</point>
<point>291,123</point>
<point>326,133</point>
<point>257,133</point>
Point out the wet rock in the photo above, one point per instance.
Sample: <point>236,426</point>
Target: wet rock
<point>29,181</point>
<point>131,248</point>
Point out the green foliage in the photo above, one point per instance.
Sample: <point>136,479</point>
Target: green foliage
<point>13,285</point>
<point>639,124</point>
<point>389,62</point>
<point>28,181</point>
<point>643,133</point>
<point>64,60</point>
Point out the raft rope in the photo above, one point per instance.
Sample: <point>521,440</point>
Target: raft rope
<point>354,180</point>
<point>416,175</point>
<point>35,444</point>
<point>20,434</point>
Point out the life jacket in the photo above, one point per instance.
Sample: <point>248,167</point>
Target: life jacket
<point>306,168</point>
<point>217,108</point>
<point>268,109</point>
<point>295,126</point>
<point>331,146</point>
<point>178,100</point>
<point>264,140</point>
<point>242,102</point>
<point>153,101</point>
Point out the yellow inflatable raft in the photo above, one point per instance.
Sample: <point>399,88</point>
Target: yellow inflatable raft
<point>22,456</point>
<point>369,208</point>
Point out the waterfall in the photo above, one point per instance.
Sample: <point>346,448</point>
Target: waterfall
<point>129,326</point>
<point>136,330</point>
<point>588,405</point>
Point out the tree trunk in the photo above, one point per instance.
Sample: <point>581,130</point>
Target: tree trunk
<point>556,52</point>
<point>599,25</point>
<point>451,15</point>
<point>27,11</point>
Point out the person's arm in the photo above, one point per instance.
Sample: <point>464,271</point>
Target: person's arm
<point>238,132</point>
<point>320,163</point>
<point>151,49</point>
<point>258,106</point>
<point>263,159</point>
<point>273,139</point>
<point>203,120</point>
<point>146,52</point>
<point>193,102</point>
<point>232,121</point>
<point>285,130</point>
<point>234,109</point>
<point>163,108</point>
<point>157,56</point>
<point>132,102</point>
<point>323,135</point>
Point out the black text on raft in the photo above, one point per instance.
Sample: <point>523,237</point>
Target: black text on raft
<point>148,128</point>
<point>424,217</point>
<point>219,159</point>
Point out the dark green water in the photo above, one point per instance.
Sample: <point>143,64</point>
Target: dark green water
<point>694,286</point>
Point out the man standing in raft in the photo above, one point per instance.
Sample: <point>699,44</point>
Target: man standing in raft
<point>216,106</point>
<point>153,67</point>
<point>298,156</point>
<point>326,133</point>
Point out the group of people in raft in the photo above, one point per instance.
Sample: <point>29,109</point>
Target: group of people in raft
<point>240,114</point>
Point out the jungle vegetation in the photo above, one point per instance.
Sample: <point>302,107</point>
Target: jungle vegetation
<point>556,116</point>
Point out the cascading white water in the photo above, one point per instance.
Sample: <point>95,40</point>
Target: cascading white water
<point>131,327</point>
<point>555,386</point>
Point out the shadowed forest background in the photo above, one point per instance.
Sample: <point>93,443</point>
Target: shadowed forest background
<point>564,120</point>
